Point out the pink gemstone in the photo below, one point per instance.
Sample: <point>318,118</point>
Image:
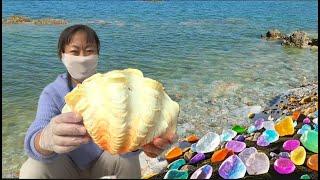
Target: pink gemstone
<point>284,166</point>
<point>291,144</point>
<point>306,121</point>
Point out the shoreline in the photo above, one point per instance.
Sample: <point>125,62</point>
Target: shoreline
<point>156,169</point>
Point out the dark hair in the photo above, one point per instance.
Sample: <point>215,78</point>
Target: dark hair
<point>67,34</point>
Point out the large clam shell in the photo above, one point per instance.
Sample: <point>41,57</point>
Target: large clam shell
<point>122,110</point>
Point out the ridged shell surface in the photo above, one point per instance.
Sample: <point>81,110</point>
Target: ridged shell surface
<point>122,110</point>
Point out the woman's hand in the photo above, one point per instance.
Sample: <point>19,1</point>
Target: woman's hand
<point>63,134</point>
<point>158,145</point>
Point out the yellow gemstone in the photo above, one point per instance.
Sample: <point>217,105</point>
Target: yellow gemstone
<point>285,126</point>
<point>298,155</point>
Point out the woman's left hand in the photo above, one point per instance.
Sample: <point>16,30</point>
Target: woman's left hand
<point>158,145</point>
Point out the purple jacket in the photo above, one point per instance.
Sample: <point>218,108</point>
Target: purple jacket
<point>50,104</point>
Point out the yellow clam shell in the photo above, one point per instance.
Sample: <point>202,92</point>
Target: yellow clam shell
<point>122,110</point>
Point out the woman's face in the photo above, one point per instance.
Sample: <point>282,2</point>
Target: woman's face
<point>78,45</point>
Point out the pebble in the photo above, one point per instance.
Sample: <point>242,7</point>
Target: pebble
<point>284,166</point>
<point>251,115</point>
<point>271,135</point>
<point>203,172</point>
<point>304,129</point>
<point>257,163</point>
<point>208,143</point>
<point>239,129</point>
<point>273,154</point>
<point>187,167</point>
<point>258,124</point>
<point>305,176</point>
<point>232,168</point>
<point>298,156</point>
<point>315,120</point>
<point>176,174</point>
<point>284,155</point>
<point>227,135</point>
<point>312,162</point>
<point>235,146</point>
<point>270,118</point>
<point>291,144</point>
<point>285,126</point>
<point>306,120</point>
<point>240,138</point>
<point>197,158</point>
<point>246,153</point>
<point>295,123</point>
<point>251,129</point>
<point>268,125</point>
<point>220,155</point>
<point>192,138</point>
<point>176,164</point>
<point>309,140</point>
<point>188,155</point>
<point>173,154</point>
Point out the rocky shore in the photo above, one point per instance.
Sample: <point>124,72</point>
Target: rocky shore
<point>26,20</point>
<point>298,39</point>
<point>289,117</point>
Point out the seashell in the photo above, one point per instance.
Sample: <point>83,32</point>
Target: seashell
<point>122,110</point>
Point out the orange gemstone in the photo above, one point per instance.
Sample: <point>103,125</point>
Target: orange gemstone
<point>173,154</point>
<point>295,115</point>
<point>312,162</point>
<point>192,138</point>
<point>220,155</point>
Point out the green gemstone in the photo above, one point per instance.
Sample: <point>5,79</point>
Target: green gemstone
<point>309,139</point>
<point>176,164</point>
<point>239,129</point>
<point>176,174</point>
<point>305,176</point>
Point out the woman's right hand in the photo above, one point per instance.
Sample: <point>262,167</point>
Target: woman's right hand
<point>63,134</point>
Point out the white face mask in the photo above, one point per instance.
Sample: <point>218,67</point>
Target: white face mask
<point>80,67</point>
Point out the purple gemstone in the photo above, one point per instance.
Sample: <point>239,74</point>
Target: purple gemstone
<point>235,146</point>
<point>284,166</point>
<point>240,138</point>
<point>291,144</point>
<point>196,158</point>
<point>258,124</point>
<point>262,141</point>
<point>306,121</point>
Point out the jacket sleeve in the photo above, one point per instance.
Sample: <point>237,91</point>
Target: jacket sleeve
<point>46,110</point>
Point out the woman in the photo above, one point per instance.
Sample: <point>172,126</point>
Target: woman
<point>57,143</point>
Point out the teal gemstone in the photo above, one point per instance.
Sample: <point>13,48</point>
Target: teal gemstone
<point>309,140</point>
<point>176,174</point>
<point>305,176</point>
<point>176,164</point>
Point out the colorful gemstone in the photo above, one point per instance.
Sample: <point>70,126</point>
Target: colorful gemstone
<point>284,166</point>
<point>232,168</point>
<point>298,155</point>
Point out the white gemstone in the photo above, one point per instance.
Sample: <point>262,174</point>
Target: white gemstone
<point>208,143</point>
<point>257,163</point>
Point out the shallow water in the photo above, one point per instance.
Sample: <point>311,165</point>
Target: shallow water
<point>209,56</point>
